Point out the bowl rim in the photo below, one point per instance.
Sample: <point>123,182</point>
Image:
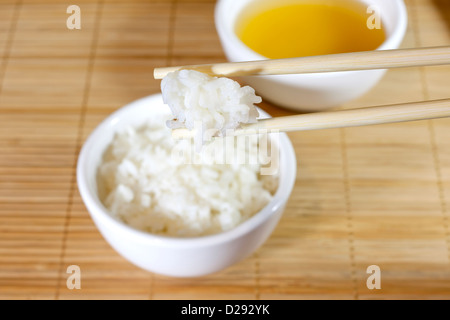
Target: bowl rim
<point>393,41</point>
<point>100,214</point>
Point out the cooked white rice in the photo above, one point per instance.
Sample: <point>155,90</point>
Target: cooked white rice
<point>211,104</point>
<point>142,183</point>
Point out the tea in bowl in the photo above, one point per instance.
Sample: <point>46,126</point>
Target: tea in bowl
<point>266,29</point>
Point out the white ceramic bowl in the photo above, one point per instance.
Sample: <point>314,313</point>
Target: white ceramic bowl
<point>167,255</point>
<point>309,92</point>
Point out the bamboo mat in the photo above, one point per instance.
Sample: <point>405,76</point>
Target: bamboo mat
<point>364,196</point>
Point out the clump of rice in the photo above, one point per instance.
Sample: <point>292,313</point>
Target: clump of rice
<point>142,183</point>
<point>211,104</point>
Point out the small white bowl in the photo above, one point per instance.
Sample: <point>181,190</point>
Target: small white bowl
<point>316,91</point>
<point>179,257</point>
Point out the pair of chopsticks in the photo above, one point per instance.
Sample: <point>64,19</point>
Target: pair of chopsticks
<point>368,60</point>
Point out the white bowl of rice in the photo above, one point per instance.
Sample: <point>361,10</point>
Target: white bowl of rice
<point>175,218</point>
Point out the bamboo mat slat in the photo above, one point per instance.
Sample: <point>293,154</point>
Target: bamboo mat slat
<point>371,195</point>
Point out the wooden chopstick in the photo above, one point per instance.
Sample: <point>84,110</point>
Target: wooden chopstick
<point>367,60</point>
<point>343,118</point>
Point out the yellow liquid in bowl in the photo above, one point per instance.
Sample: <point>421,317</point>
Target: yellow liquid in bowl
<point>286,29</point>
